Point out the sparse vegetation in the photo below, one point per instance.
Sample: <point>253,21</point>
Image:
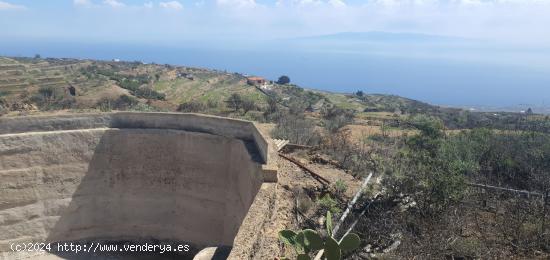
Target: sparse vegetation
<point>427,157</point>
<point>340,187</point>
<point>297,129</point>
<point>192,107</point>
<point>329,204</point>
<point>248,104</point>
<point>335,118</point>
<point>235,102</point>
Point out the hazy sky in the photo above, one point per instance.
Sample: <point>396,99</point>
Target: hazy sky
<point>525,22</point>
<point>498,49</point>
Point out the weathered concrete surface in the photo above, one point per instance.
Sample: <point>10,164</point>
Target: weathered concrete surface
<point>179,177</point>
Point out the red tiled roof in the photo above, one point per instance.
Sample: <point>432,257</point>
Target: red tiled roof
<point>255,78</point>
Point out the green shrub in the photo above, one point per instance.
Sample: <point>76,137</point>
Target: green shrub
<point>51,98</point>
<point>329,204</point>
<point>340,187</point>
<point>192,107</point>
<point>125,102</point>
<point>144,108</point>
<point>235,102</point>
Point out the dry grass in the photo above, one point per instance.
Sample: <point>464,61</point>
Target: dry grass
<point>359,133</point>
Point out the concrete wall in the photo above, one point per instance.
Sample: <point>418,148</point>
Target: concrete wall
<point>182,177</point>
<point>232,128</point>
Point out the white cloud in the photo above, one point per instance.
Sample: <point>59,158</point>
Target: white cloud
<point>82,2</point>
<point>114,3</point>
<point>337,3</point>
<point>8,6</point>
<point>237,3</point>
<point>148,5</point>
<point>506,20</point>
<point>174,5</point>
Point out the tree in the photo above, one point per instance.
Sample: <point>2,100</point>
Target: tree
<point>272,105</point>
<point>272,108</point>
<point>37,56</point>
<point>47,94</point>
<point>235,101</point>
<point>430,168</point>
<point>296,128</point>
<point>283,80</point>
<point>336,118</point>
<point>359,93</point>
<point>248,104</point>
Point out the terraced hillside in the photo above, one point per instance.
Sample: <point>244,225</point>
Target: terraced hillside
<point>29,85</point>
<point>17,77</point>
<point>25,82</point>
<point>44,84</point>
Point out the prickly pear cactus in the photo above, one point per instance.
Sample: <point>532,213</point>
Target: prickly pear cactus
<point>350,242</point>
<point>308,240</point>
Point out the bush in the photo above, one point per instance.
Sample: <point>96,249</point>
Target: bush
<point>234,102</point>
<point>248,104</point>
<point>4,106</point>
<point>296,129</point>
<point>49,98</point>
<point>212,103</point>
<point>144,108</point>
<point>192,107</point>
<point>354,157</point>
<point>340,187</point>
<point>467,248</point>
<point>272,109</point>
<point>336,118</point>
<point>125,102</point>
<point>329,204</point>
<point>429,168</point>
<point>104,105</point>
<point>148,93</point>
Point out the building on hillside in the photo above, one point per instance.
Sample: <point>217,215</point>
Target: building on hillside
<point>185,75</point>
<point>256,81</point>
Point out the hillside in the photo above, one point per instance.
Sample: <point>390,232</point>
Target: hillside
<point>29,85</point>
<point>446,184</point>
<point>98,80</point>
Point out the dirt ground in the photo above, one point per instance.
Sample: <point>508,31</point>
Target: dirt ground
<point>292,179</point>
<point>358,133</point>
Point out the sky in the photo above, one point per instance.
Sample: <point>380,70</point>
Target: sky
<point>498,49</point>
<point>523,22</point>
